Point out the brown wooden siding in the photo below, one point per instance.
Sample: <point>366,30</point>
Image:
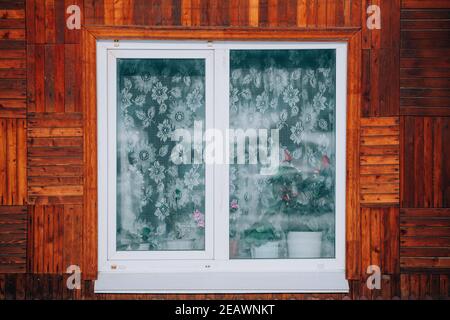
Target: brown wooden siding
<point>403,158</point>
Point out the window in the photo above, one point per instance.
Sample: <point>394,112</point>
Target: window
<point>221,166</point>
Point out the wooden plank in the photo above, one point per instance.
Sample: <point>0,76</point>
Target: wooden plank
<point>380,140</point>
<point>424,252</point>
<point>302,13</point>
<point>253,20</point>
<point>59,190</point>
<point>89,221</point>
<point>380,179</point>
<point>425,4</point>
<point>380,198</point>
<point>54,132</point>
<point>425,263</point>
<point>353,222</point>
<point>13,230</point>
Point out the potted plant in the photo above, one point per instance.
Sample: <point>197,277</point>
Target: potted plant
<point>302,198</point>
<point>263,240</point>
<point>182,236</point>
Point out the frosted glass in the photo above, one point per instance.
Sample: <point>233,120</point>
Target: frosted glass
<point>160,205</point>
<point>290,211</point>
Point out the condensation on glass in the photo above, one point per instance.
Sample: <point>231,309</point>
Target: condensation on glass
<point>160,205</point>
<point>288,212</point>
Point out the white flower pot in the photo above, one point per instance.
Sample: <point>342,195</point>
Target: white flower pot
<point>269,250</point>
<point>144,247</point>
<point>304,244</point>
<point>179,244</point>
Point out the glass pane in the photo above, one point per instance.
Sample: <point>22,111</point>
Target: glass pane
<point>287,210</point>
<point>160,204</point>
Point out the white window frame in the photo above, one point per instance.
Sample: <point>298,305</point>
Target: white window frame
<point>211,270</point>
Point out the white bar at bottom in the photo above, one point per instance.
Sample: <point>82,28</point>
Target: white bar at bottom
<point>222,282</point>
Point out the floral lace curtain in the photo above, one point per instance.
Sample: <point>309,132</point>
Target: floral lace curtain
<point>294,91</point>
<point>160,205</point>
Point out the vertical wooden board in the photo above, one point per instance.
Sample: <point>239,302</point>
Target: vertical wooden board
<point>21,162</point>
<point>366,236</point>
<point>30,21</point>
<point>48,239</point>
<point>49,78</point>
<point>108,12</point>
<point>60,21</point>
<point>39,21</point>
<point>31,78</point>
<point>253,19</point>
<point>322,13</point>
<point>437,163</point>
<point>366,84</point>
<point>375,238</point>
<point>59,77</point>
<point>196,12</point>
<point>418,162</point>
<point>176,12</point>
<point>263,12</point>
<point>445,162</point>
<point>72,235</point>
<point>340,13</point>
<point>11,156</point>
<point>302,13</point>
<point>50,25</point>
<point>428,162</point>
<point>355,14</point>
<point>375,82</point>
<point>139,11</point>
<point>89,222</point>
<point>3,162</point>
<point>72,78</point>
<point>292,13</point>
<point>281,9</point>
<point>353,228</point>
<point>365,32</point>
<point>331,13</point>
<point>186,12</point>
<point>40,78</point>
<point>406,164</point>
<point>391,241</point>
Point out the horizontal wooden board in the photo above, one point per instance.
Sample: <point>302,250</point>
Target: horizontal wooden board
<point>13,236</point>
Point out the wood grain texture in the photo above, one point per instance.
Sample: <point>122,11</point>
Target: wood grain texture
<point>12,62</point>
<point>55,237</point>
<point>425,164</point>
<point>51,60</point>
<point>380,161</point>
<point>13,239</point>
<point>55,158</point>
<point>380,243</point>
<point>13,158</point>
<point>425,71</point>
<point>425,239</point>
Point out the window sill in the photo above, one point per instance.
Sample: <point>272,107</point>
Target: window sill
<point>222,282</point>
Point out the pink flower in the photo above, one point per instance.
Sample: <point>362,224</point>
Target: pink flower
<point>325,161</point>
<point>234,204</point>
<point>199,218</point>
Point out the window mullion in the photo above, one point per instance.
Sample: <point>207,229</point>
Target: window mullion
<point>221,186</point>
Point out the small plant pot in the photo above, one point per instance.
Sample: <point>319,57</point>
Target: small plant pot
<point>179,244</point>
<point>304,244</point>
<point>269,250</point>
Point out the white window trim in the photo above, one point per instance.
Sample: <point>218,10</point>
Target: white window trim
<point>201,271</point>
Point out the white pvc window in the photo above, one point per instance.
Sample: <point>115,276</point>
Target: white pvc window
<point>231,225</point>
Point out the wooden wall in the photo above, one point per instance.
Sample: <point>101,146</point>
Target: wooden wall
<point>403,217</point>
